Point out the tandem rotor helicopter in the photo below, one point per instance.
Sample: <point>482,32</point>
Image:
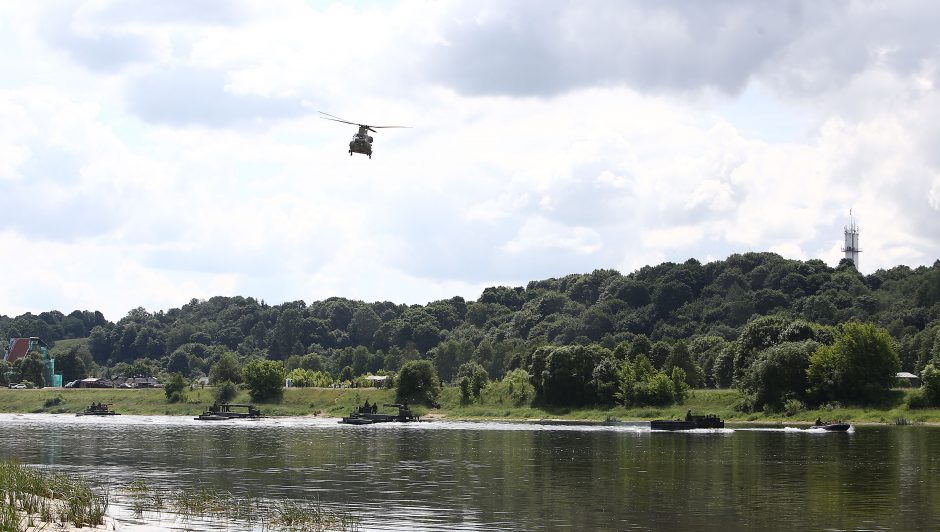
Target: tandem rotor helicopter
<point>361,141</point>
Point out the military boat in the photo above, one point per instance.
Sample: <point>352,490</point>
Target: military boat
<point>98,409</point>
<point>837,426</point>
<point>226,411</point>
<point>368,414</point>
<point>710,421</point>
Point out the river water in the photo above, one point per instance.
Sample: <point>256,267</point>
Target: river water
<point>504,476</point>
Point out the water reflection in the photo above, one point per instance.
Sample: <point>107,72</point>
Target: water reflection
<point>490,476</point>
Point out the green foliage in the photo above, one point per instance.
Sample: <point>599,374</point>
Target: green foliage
<point>778,373</point>
<point>658,391</point>
<point>930,377</point>
<point>605,379</point>
<point>264,378</point>
<point>680,389</point>
<point>626,383</point>
<point>727,312</point>
<point>226,369</point>
<point>449,356</point>
<point>302,378</point>
<point>175,388</point>
<point>475,376</point>
<point>70,365</point>
<point>681,357</point>
<point>225,391</point>
<point>30,368</point>
<point>860,366</point>
<point>417,382</point>
<point>518,386</point>
<point>568,373</point>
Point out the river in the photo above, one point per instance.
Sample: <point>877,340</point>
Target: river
<point>505,476</point>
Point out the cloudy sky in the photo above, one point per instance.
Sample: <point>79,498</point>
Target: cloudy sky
<point>153,152</point>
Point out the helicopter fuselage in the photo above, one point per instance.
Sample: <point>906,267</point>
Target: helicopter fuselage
<point>361,143</point>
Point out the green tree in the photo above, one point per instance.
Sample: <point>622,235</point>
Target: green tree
<point>70,365</point>
<point>605,378</point>
<point>681,357</point>
<point>658,390</point>
<point>265,379</point>
<point>476,377</point>
<point>930,377</point>
<point>777,374</point>
<point>568,372</point>
<point>225,391</point>
<point>226,369</point>
<point>417,382</point>
<point>31,369</point>
<point>346,374</point>
<point>175,388</point>
<point>518,385</point>
<point>860,365</point>
<point>680,389</point>
<point>626,383</point>
<point>286,333</point>
<point>449,355</point>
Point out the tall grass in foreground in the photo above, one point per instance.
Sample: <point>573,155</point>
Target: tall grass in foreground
<point>207,503</point>
<point>29,494</point>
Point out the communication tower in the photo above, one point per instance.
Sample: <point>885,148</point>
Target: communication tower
<point>851,248</point>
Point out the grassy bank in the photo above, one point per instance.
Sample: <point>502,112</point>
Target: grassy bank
<point>339,402</point>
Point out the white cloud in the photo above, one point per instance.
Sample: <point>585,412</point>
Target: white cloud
<point>539,234</point>
<point>190,162</point>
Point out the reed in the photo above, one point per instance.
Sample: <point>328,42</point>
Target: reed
<point>310,516</point>
<point>30,493</point>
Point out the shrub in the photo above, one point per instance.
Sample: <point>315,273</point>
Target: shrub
<point>175,388</point>
<point>793,406</point>
<point>680,389</point>
<point>417,382</point>
<point>476,378</point>
<point>225,392</point>
<point>658,390</point>
<point>519,386</point>
<point>931,384</point>
<point>265,379</point>
<point>917,400</point>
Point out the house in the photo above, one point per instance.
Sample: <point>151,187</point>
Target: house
<point>20,347</point>
<point>377,381</point>
<point>136,382</point>
<point>909,378</point>
<point>95,382</point>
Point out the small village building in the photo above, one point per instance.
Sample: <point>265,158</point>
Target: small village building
<point>18,348</point>
<point>908,379</point>
<point>377,381</point>
<point>95,382</point>
<point>136,382</point>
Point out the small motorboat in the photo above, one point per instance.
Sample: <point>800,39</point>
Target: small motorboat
<point>836,426</point>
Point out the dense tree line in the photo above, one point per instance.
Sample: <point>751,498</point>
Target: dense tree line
<point>734,322</point>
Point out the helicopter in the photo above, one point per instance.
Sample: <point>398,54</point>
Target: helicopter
<point>361,141</point>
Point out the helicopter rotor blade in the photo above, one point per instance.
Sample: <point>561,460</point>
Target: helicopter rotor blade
<point>336,119</point>
<point>386,127</point>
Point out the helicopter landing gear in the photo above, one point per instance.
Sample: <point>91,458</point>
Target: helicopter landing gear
<point>370,155</point>
<point>350,153</point>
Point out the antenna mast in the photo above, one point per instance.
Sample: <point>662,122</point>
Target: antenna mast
<point>851,248</point>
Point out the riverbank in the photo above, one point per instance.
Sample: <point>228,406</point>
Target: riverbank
<point>339,402</point>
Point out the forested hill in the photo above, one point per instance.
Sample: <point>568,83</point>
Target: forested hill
<point>657,304</point>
